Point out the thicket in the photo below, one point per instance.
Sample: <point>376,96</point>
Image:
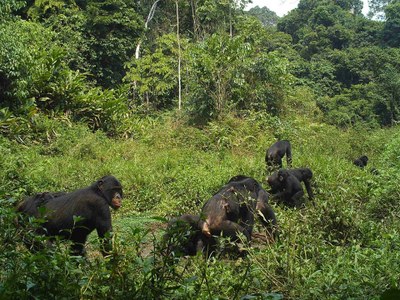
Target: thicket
<point>89,88</point>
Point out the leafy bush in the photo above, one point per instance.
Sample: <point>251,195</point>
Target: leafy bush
<point>32,68</point>
<point>353,106</point>
<point>229,72</point>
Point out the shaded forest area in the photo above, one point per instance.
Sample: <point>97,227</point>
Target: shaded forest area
<point>173,98</point>
<point>101,61</point>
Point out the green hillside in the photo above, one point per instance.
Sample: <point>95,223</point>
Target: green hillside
<point>213,87</point>
<point>345,245</point>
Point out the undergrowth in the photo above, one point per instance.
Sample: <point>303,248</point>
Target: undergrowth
<point>343,245</point>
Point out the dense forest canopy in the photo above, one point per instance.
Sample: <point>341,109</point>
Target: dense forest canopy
<point>99,58</point>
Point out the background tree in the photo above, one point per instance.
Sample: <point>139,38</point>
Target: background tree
<point>146,25</point>
<point>266,16</point>
<point>226,73</point>
<point>69,22</point>
<point>389,109</point>
<point>33,71</point>
<point>10,8</point>
<point>179,56</point>
<point>230,59</point>
<point>155,73</point>
<point>376,8</point>
<point>391,31</point>
<point>113,28</point>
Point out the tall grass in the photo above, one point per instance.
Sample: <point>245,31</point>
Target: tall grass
<point>344,245</point>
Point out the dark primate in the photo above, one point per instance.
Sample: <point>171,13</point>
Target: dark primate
<point>361,161</point>
<point>288,187</point>
<point>184,236</point>
<point>302,174</point>
<point>231,211</point>
<point>276,152</point>
<point>90,205</point>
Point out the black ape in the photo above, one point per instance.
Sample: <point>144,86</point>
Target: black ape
<point>361,161</point>
<point>276,152</point>
<point>264,210</point>
<point>302,174</point>
<point>231,210</point>
<point>288,187</point>
<point>183,235</point>
<point>90,204</point>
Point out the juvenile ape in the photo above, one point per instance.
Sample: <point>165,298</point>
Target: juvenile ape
<point>276,152</point>
<point>302,174</point>
<point>231,210</point>
<point>361,161</point>
<point>288,187</point>
<point>90,204</point>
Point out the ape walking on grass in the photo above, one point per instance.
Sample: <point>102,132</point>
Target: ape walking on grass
<point>302,174</point>
<point>230,213</point>
<point>75,215</point>
<point>275,154</point>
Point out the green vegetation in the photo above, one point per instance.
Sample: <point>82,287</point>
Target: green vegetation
<point>346,246</point>
<point>87,89</point>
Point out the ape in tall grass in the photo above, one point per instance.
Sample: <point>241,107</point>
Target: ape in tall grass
<point>74,215</point>
<point>361,161</point>
<point>231,211</point>
<point>275,154</point>
<point>302,174</point>
<point>287,188</point>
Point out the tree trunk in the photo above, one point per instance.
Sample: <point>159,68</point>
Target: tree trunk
<point>137,51</point>
<point>149,17</point>
<point>192,4</point>
<point>230,21</point>
<point>179,56</point>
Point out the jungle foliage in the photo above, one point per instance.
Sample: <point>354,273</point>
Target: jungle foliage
<point>68,56</point>
<point>174,98</point>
